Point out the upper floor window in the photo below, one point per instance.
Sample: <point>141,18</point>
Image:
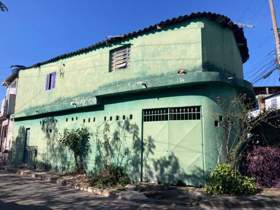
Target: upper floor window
<point>50,81</point>
<point>119,58</point>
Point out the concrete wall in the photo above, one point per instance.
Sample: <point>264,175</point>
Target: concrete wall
<point>160,54</point>
<point>7,141</point>
<point>220,50</point>
<point>152,54</point>
<point>50,152</point>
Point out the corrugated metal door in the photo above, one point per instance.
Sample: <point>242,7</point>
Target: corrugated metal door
<point>173,144</point>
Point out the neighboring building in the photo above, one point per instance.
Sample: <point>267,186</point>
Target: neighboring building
<point>272,102</point>
<point>268,98</point>
<point>7,110</point>
<point>268,112</point>
<point>159,87</point>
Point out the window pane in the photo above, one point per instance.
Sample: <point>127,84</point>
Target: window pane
<point>47,82</point>
<point>53,80</point>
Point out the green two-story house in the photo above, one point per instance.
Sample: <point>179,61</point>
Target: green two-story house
<point>157,89</point>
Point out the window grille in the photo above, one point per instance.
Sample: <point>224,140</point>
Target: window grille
<point>160,114</point>
<point>119,58</point>
<point>174,113</point>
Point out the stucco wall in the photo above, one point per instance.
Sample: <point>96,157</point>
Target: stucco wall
<point>151,54</point>
<point>156,54</point>
<point>220,50</point>
<point>50,152</point>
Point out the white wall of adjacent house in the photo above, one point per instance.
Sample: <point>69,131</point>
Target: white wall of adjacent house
<point>7,127</point>
<point>3,103</point>
<point>7,108</point>
<point>272,103</point>
<point>12,89</point>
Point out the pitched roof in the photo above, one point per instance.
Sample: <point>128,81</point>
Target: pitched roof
<point>220,19</point>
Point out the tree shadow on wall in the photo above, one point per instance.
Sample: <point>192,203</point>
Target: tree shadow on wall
<point>168,170</point>
<point>18,147</point>
<point>56,156</point>
<point>120,145</point>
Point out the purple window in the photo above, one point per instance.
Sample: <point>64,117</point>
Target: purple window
<point>50,81</point>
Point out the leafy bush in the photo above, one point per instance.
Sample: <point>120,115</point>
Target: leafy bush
<point>263,163</point>
<point>226,180</point>
<point>110,176</point>
<point>77,140</point>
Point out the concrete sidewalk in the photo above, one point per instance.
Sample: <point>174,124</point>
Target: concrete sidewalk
<point>26,193</point>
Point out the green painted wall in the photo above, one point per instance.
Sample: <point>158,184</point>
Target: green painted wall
<point>187,46</point>
<point>205,50</point>
<point>50,152</point>
<point>152,54</point>
<point>220,51</point>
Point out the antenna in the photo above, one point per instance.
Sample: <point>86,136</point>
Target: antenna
<point>245,25</point>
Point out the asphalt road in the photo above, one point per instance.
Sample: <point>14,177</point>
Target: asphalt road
<point>25,193</point>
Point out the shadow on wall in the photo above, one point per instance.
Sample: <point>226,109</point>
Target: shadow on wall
<point>18,147</point>
<point>120,145</point>
<point>167,169</point>
<point>56,156</point>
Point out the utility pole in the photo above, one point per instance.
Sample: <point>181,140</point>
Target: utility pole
<point>276,33</point>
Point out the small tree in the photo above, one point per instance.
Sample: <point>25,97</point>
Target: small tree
<point>77,140</point>
<point>238,125</point>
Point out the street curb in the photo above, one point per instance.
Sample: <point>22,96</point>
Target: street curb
<point>44,176</point>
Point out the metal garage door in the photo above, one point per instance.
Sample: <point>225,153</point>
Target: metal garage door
<point>173,144</point>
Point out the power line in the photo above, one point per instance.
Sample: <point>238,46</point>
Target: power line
<point>264,75</point>
<point>260,69</point>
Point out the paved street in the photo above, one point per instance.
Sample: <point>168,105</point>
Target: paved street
<point>24,193</point>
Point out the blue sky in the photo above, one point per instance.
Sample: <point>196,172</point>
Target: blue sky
<point>35,30</point>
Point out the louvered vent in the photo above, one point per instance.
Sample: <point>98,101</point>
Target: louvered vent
<point>119,58</point>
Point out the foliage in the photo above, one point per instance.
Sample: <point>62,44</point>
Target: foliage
<point>3,7</point>
<point>109,177</point>
<point>263,163</point>
<point>77,140</point>
<point>225,180</point>
<point>239,126</point>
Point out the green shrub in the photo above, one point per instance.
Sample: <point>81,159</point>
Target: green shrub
<point>77,140</point>
<point>225,180</point>
<point>110,176</point>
